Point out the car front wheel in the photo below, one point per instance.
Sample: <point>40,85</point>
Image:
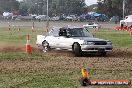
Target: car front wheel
<point>77,49</point>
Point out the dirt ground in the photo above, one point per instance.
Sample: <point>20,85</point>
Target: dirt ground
<point>118,60</point>
<point>117,64</point>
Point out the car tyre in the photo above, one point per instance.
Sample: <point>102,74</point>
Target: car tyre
<point>77,50</point>
<point>45,46</point>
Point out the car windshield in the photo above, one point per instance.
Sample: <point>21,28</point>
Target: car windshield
<point>79,32</point>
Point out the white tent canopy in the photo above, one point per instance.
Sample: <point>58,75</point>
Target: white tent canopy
<point>7,14</point>
<point>127,21</point>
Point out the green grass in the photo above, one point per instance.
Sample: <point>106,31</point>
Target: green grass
<point>19,37</point>
<point>118,38</point>
<point>33,80</point>
<point>43,79</point>
<point>54,75</point>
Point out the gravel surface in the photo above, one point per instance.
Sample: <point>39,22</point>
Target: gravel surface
<point>118,60</point>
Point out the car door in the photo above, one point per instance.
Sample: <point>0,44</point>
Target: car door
<point>65,42</point>
<point>52,39</point>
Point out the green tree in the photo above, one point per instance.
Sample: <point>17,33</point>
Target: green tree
<point>23,8</point>
<point>114,7</point>
<point>9,5</point>
<point>56,7</point>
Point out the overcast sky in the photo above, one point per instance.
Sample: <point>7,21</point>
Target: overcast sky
<point>88,2</point>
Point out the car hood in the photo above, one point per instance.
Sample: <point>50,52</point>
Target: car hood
<point>89,39</point>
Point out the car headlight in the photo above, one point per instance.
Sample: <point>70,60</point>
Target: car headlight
<point>109,43</point>
<point>88,43</point>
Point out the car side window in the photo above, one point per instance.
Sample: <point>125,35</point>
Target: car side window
<point>54,32</point>
<point>62,32</point>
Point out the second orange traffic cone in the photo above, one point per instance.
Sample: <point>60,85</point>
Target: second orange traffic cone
<point>32,29</point>
<point>28,47</point>
<point>131,33</point>
<point>46,29</point>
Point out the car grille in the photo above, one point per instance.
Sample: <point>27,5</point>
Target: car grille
<point>100,42</point>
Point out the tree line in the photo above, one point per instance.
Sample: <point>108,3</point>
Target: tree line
<point>56,7</point>
<point>114,7</point>
<point>9,5</point>
<point>67,7</point>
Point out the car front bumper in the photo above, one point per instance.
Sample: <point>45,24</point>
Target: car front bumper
<point>96,48</point>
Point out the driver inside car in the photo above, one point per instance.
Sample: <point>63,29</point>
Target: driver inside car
<point>62,32</point>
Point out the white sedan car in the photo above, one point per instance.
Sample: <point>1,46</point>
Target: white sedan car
<point>92,25</point>
<point>75,39</point>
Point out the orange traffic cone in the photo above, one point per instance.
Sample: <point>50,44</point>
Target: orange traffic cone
<point>28,47</point>
<point>32,29</point>
<point>46,29</point>
<point>131,33</point>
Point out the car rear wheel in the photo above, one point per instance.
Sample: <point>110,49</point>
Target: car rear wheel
<point>77,49</point>
<point>45,45</point>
